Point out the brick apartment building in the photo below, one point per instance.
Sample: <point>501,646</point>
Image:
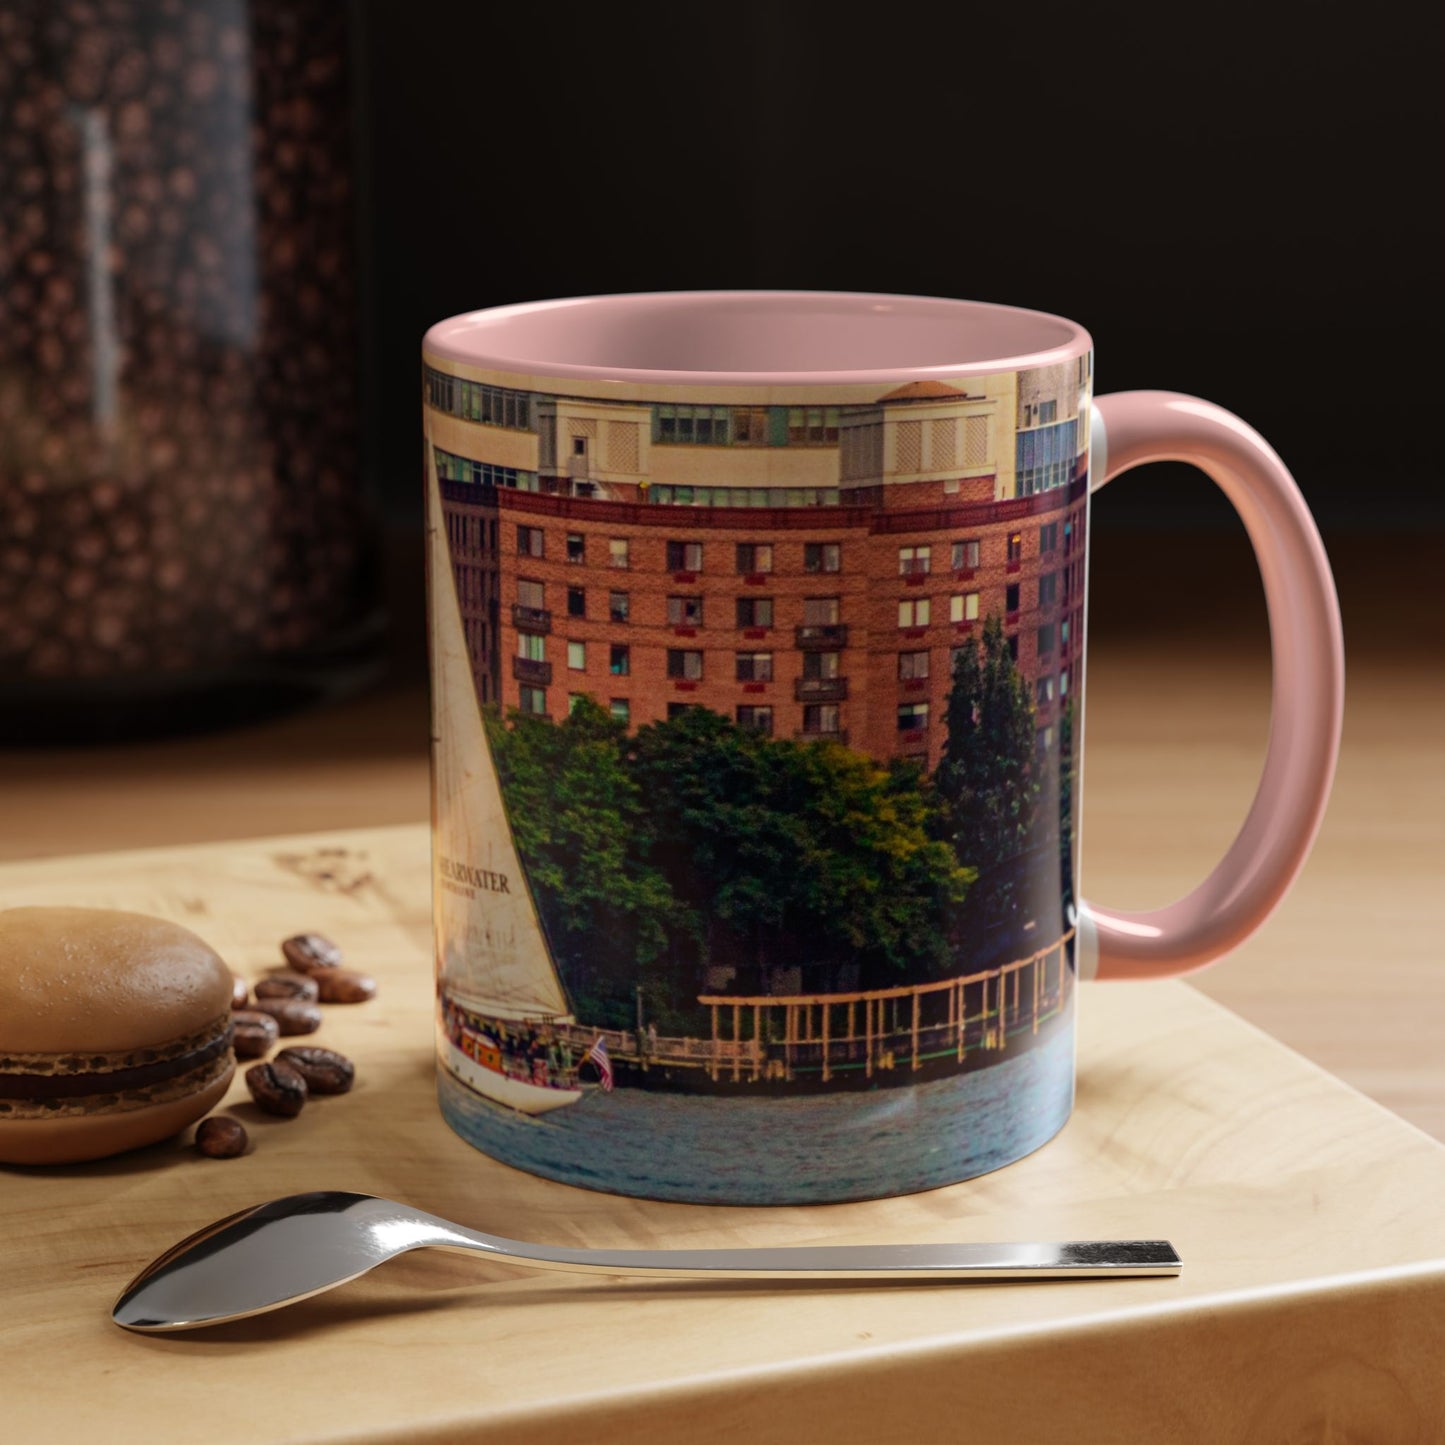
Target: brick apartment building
<point>807,570</point>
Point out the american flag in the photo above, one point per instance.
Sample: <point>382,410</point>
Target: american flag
<point>597,1054</point>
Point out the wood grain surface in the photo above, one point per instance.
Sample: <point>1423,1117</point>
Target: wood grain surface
<point>1310,1308</point>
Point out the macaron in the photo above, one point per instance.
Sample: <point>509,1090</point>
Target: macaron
<point>115,1032</point>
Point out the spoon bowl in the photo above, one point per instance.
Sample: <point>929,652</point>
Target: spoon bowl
<point>289,1249</point>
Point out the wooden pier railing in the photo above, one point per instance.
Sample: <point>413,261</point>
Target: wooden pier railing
<point>893,1020</point>
<point>774,1036</point>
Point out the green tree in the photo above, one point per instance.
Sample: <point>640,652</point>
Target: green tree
<point>873,880</point>
<point>988,777</point>
<point>584,833</point>
<point>797,854</point>
<point>1068,772</point>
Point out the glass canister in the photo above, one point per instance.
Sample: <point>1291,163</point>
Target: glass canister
<point>184,534</point>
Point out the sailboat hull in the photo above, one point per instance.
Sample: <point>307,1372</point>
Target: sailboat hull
<point>518,1094</point>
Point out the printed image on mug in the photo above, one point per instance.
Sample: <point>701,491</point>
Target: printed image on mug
<point>756,738</point>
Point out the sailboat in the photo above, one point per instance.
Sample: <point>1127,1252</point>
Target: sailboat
<point>499,992</point>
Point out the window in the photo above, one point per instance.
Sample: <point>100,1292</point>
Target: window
<point>534,700</point>
<point>620,710</point>
<point>755,667</point>
<point>475,401</point>
<point>1064,682</point>
<point>963,607</point>
<point>914,612</point>
<point>1044,458</point>
<point>755,611</point>
<point>1015,548</point>
<point>820,719</point>
<point>1013,646</point>
<point>1048,537</point>
<point>530,594</point>
<point>576,602</point>
<point>1068,536</point>
<point>619,606</point>
<point>820,611</point>
<point>576,547</point>
<point>577,656</point>
<point>619,659</point>
<point>531,542</point>
<point>1064,633</point>
<point>914,561</point>
<point>754,557</point>
<point>684,556</point>
<point>574,701</point>
<point>912,717</point>
<point>1011,597</point>
<point>1048,412</point>
<point>669,495</point>
<point>1045,690</point>
<point>756,719</point>
<point>708,426</point>
<point>1048,589</point>
<point>912,666</point>
<point>452,468</point>
<point>684,664</point>
<point>750,427</point>
<point>822,556</point>
<point>532,646</point>
<point>617,552</point>
<point>684,611</point>
<point>812,426</point>
<point>965,555</point>
<point>1046,638</point>
<point>676,709</point>
<point>821,666</point>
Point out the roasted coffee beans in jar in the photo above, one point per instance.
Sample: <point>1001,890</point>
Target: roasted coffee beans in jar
<point>182,520</point>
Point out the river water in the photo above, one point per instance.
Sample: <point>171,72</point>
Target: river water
<point>812,1149</point>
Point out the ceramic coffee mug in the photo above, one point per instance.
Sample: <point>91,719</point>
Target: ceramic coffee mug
<point>757,628</point>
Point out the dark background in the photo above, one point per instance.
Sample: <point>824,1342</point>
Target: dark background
<point>1232,200</point>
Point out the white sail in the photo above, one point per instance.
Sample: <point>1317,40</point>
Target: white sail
<point>492,951</point>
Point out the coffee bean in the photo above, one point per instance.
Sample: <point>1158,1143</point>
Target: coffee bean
<point>277,1088</point>
<point>240,994</point>
<point>292,1015</point>
<point>288,985</point>
<point>345,985</point>
<point>325,1071</point>
<point>311,953</point>
<point>253,1033</point>
<point>221,1137</point>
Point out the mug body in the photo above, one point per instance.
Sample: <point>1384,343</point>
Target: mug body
<point>757,640</point>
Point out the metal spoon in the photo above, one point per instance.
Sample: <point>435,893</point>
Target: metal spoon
<point>290,1249</point>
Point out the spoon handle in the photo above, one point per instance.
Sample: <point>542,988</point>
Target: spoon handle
<point>915,1263</point>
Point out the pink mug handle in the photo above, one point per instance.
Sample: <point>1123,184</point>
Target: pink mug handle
<point>1307,698</point>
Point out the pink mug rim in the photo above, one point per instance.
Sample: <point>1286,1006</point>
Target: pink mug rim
<point>522,338</point>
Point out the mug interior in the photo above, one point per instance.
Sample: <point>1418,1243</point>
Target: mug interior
<point>757,337</point>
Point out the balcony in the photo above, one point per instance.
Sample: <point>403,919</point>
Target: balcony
<point>806,735</point>
<point>820,689</point>
<point>531,619</point>
<point>538,674</point>
<point>821,636</point>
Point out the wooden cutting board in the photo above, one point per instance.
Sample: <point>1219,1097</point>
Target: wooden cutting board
<point>1311,1306</point>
